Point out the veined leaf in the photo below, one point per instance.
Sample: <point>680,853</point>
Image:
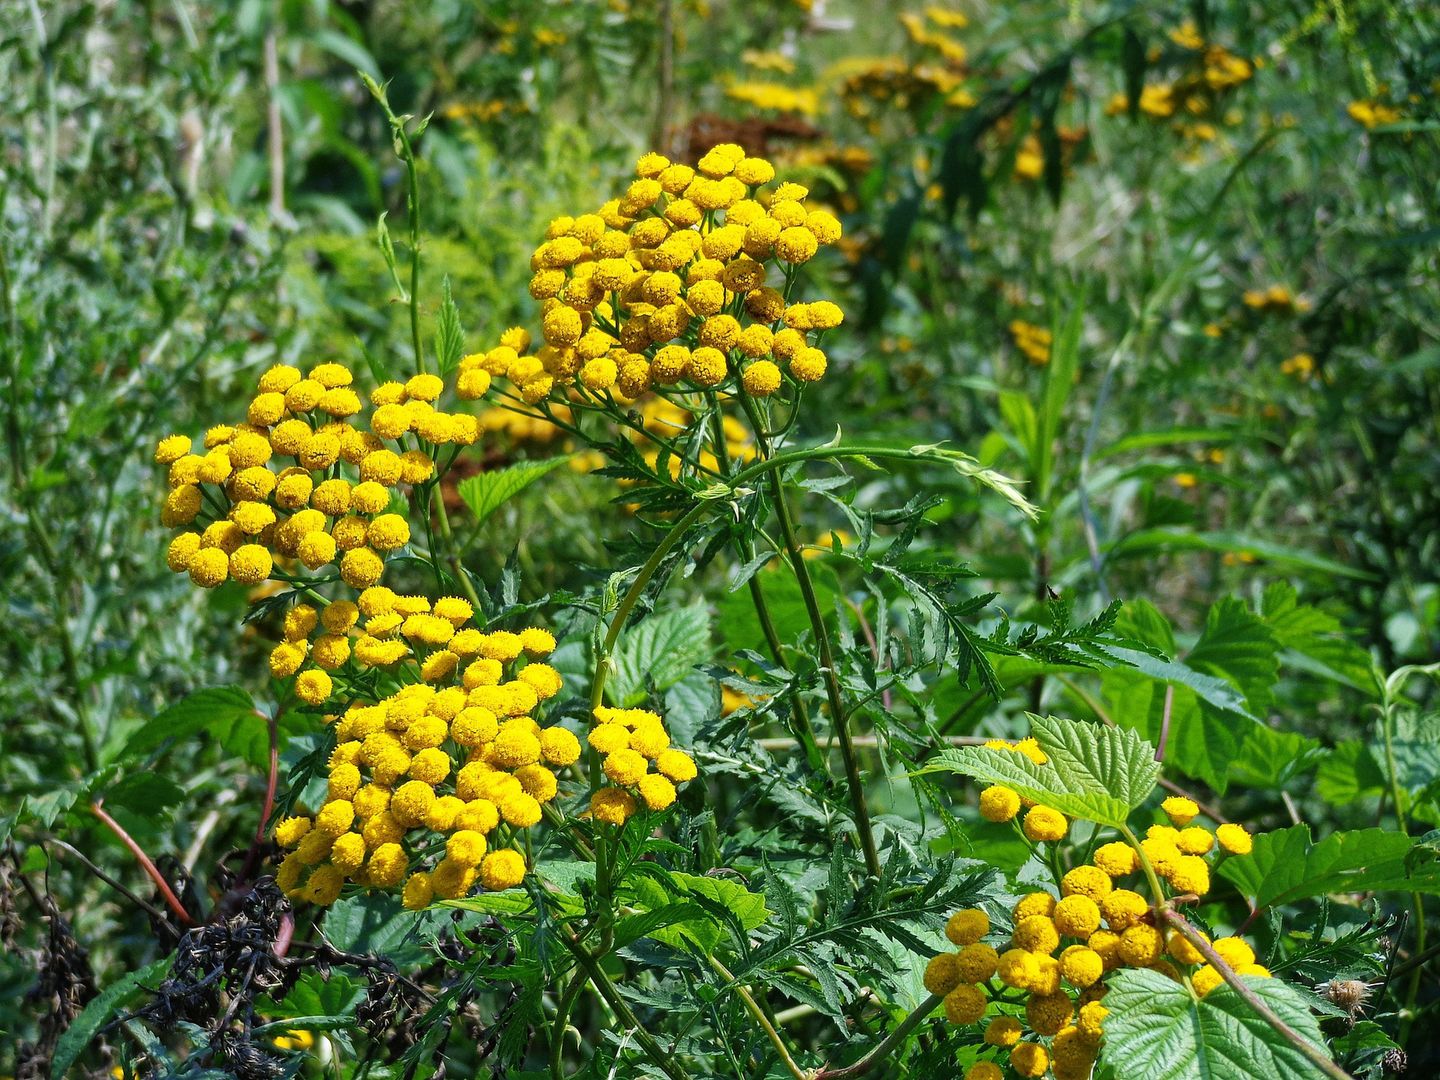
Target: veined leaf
<point>1096,773</point>
<point>488,491</point>
<point>1159,1030</point>
<point>215,711</point>
<point>449,334</point>
<point>1286,866</point>
<point>1314,640</point>
<point>691,907</point>
<point>664,648</point>
<point>1220,689</point>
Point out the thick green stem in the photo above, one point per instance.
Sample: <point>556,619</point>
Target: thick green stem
<point>878,1056</point>
<point>758,1015</point>
<point>831,675</point>
<point>663,1061</point>
<point>1150,875</point>
<point>632,596</point>
<point>562,1022</point>
<point>442,516</point>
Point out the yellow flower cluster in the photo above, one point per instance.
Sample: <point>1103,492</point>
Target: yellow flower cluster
<point>776,97</point>
<point>242,507</point>
<point>428,787</point>
<point>1060,949</point>
<point>1275,300</point>
<point>1300,366</point>
<point>872,86</point>
<point>1209,71</point>
<point>1034,341</point>
<point>638,762</point>
<point>674,285</point>
<point>1372,114</point>
<point>927,30</point>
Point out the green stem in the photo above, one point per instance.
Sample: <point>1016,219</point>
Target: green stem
<point>1318,1057</point>
<point>1150,874</point>
<point>1390,690</point>
<point>663,1061</point>
<point>442,516</point>
<point>758,1015</point>
<point>562,1021</point>
<point>802,728</point>
<point>632,596</point>
<point>831,675</point>
<point>881,1052</point>
<point>413,199</point>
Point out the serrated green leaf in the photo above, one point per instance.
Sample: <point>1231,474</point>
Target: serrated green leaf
<point>145,793</point>
<point>449,334</point>
<point>670,889</point>
<point>1314,640</point>
<point>215,711</point>
<point>632,928</point>
<point>97,1014</point>
<point>1220,689</point>
<point>377,923</point>
<point>663,649</point>
<point>1238,647</point>
<point>1286,866</point>
<point>1096,773</point>
<point>1159,1030</point>
<point>488,491</point>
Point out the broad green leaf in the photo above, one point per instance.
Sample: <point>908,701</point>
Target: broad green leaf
<point>632,928</point>
<point>145,793</point>
<point>664,648</point>
<point>376,923</point>
<point>509,902</point>
<point>488,491</point>
<point>666,891</point>
<point>1223,685</point>
<point>1363,1049</point>
<point>1314,640</point>
<point>216,711</point>
<point>1096,773</point>
<point>98,1012</point>
<point>1286,866</point>
<point>566,874</point>
<point>1238,647</point>
<point>1159,1030</point>
<point>1348,772</point>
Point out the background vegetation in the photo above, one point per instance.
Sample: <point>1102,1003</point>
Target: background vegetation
<point>1175,269</point>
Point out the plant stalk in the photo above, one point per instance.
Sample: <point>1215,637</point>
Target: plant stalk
<point>1318,1057</point>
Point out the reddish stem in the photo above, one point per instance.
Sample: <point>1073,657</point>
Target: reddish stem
<point>284,936</point>
<point>1165,722</point>
<point>268,806</point>
<point>168,894</point>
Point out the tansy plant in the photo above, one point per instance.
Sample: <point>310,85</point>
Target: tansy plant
<point>556,854</point>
